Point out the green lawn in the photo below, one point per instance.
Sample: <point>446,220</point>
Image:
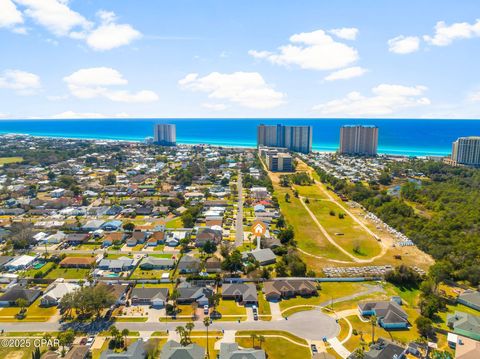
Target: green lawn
<point>30,273</point>
<point>328,291</point>
<point>139,273</point>
<point>160,255</point>
<point>35,313</point>
<point>5,160</point>
<point>276,348</point>
<point>263,305</point>
<point>451,309</point>
<point>69,273</point>
<point>230,307</point>
<point>175,223</point>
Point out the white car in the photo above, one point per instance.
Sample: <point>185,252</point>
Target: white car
<point>205,309</point>
<point>90,341</point>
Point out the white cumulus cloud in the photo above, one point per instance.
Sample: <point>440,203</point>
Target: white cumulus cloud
<point>385,100</point>
<point>58,18</point>
<point>247,89</point>
<point>55,15</point>
<point>445,34</point>
<point>311,50</point>
<point>98,82</point>
<point>22,82</point>
<point>404,44</point>
<point>9,14</point>
<point>345,74</point>
<point>346,33</point>
<point>109,34</point>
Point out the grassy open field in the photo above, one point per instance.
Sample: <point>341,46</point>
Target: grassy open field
<point>5,160</point>
<point>346,232</point>
<point>307,234</point>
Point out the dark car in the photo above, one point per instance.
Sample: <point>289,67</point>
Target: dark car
<point>314,348</point>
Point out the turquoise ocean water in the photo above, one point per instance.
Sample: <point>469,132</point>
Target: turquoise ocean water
<point>399,137</point>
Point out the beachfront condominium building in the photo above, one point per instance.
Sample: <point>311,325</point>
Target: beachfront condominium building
<point>293,138</point>
<point>359,140</point>
<point>280,162</point>
<point>466,151</point>
<point>165,134</point>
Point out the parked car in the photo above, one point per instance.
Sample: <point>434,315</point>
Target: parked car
<point>90,341</point>
<point>314,348</point>
<point>205,309</point>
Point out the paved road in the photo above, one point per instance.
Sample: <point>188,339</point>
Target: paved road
<point>239,224</point>
<point>311,325</point>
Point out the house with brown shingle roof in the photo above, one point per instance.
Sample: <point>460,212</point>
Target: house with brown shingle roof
<point>275,290</point>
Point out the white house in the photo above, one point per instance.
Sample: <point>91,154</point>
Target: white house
<point>20,262</point>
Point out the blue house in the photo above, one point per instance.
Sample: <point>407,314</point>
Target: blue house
<point>389,314</point>
<point>111,226</point>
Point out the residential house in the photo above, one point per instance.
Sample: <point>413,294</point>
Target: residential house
<point>118,291</point>
<point>157,263</point>
<point>136,350</point>
<point>55,292</point>
<point>112,226</point>
<point>20,262</point>
<point>9,298</point>
<point>156,297</point>
<point>244,293</point>
<point>205,235</point>
<point>384,349</point>
<point>77,351</point>
<point>275,290</point>
<point>55,238</point>
<point>121,264</point>
<point>213,265</point>
<point>263,256</point>
<point>113,238</point>
<point>77,262</point>
<point>4,260</point>
<point>76,239</point>
<point>389,314</point>
<point>189,264</point>
<point>467,348</point>
<point>233,351</point>
<point>189,293</point>
<point>465,324</point>
<point>93,225</point>
<point>470,298</point>
<point>174,350</point>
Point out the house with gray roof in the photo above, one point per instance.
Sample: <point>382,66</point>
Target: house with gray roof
<point>189,264</point>
<point>121,264</point>
<point>9,298</point>
<point>465,324</point>
<point>384,349</point>
<point>389,314</point>
<point>244,293</point>
<point>157,263</point>
<point>232,351</point>
<point>263,256</point>
<point>174,350</point>
<point>136,350</point>
<point>189,293</point>
<point>470,298</point>
<point>156,297</point>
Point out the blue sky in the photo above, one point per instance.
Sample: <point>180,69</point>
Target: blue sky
<point>343,58</point>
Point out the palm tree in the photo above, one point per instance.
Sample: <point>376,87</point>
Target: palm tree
<point>373,322</point>
<point>125,333</point>
<point>174,296</point>
<point>253,336</point>
<point>206,322</point>
<point>261,339</point>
